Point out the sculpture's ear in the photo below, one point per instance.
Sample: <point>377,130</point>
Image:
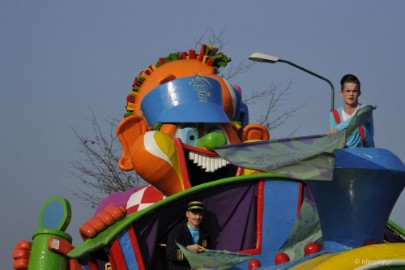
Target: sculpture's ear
<point>255,132</point>
<point>128,130</point>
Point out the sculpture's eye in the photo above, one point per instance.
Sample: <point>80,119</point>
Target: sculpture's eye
<point>215,129</point>
<point>188,134</point>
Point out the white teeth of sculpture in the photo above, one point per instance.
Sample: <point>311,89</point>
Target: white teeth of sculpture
<point>210,164</point>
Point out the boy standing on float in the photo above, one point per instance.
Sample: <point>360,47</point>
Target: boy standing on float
<point>340,118</point>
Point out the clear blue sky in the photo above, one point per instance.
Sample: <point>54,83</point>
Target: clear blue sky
<point>60,58</point>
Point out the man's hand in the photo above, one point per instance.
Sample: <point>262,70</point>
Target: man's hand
<point>196,248</point>
<point>332,131</point>
<point>101,220</point>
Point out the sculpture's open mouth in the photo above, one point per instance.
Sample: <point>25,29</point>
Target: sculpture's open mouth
<point>202,166</point>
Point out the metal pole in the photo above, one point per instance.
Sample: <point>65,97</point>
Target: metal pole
<point>332,106</point>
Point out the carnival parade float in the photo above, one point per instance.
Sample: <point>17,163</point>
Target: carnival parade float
<point>295,203</point>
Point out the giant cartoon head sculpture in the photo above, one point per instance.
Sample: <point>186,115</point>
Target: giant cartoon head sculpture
<point>178,111</point>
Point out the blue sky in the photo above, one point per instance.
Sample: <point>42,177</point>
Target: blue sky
<point>59,59</point>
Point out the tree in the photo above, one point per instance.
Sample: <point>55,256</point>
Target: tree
<point>97,168</point>
<point>275,113</point>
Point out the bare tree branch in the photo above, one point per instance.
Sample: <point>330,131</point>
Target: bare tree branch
<point>211,37</point>
<point>97,168</point>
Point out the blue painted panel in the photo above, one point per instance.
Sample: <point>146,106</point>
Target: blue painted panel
<point>127,250</point>
<point>279,214</point>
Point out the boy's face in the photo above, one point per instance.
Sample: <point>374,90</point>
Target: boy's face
<point>350,94</point>
<point>194,218</point>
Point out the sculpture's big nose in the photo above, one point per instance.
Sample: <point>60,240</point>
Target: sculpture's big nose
<point>211,140</point>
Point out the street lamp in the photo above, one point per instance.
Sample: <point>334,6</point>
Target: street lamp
<point>266,58</point>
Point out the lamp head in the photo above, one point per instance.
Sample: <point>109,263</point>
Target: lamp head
<point>261,57</point>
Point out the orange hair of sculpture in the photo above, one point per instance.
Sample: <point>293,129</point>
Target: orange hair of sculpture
<point>178,65</point>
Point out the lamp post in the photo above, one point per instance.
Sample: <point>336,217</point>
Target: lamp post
<point>266,58</point>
